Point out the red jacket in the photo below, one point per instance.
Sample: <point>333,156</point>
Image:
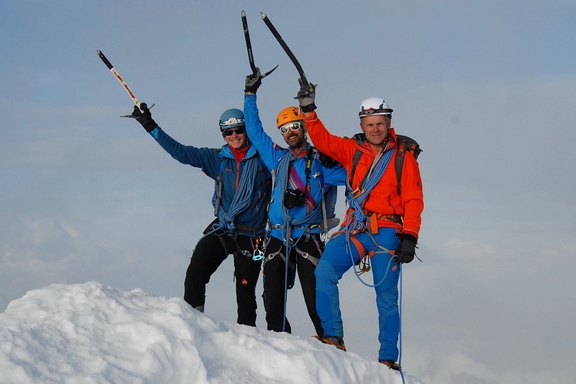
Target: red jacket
<point>384,199</point>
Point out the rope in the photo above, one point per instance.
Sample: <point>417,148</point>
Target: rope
<point>358,217</point>
<point>242,197</point>
<point>282,175</point>
<point>286,263</point>
<point>400,335</point>
<point>357,274</point>
<point>355,201</point>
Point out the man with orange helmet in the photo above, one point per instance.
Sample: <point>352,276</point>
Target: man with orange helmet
<point>304,188</point>
<point>382,221</point>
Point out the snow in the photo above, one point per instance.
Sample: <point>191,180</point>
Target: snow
<point>92,333</point>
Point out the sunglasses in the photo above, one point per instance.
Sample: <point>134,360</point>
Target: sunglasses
<point>291,126</point>
<point>230,131</point>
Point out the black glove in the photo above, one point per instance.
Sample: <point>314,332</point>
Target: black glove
<point>306,96</point>
<point>253,81</point>
<point>144,117</point>
<point>406,250</point>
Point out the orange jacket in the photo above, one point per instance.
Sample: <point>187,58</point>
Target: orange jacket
<point>384,198</point>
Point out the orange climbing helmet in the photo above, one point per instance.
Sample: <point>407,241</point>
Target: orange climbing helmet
<point>288,115</point>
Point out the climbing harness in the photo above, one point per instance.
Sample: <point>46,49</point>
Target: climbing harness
<point>358,222</point>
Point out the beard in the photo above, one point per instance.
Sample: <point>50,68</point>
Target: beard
<point>295,141</point>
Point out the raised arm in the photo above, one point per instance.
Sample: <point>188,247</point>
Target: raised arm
<point>339,148</point>
<point>205,158</point>
<point>269,151</point>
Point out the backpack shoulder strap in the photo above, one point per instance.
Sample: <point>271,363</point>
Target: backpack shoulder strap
<point>219,179</point>
<point>404,144</point>
<point>329,193</point>
<point>360,139</point>
<point>355,160</point>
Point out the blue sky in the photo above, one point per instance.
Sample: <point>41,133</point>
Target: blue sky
<point>488,89</point>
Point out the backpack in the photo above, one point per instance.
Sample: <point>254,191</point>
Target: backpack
<point>404,143</point>
<point>329,193</point>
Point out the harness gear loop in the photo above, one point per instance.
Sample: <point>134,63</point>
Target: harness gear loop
<point>273,255</point>
<point>364,265</point>
<point>258,253</point>
<point>314,260</point>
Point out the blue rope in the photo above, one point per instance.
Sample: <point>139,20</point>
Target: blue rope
<point>283,175</point>
<point>355,202</point>
<point>358,219</point>
<point>381,280</point>
<point>400,335</point>
<point>286,262</point>
<point>242,197</point>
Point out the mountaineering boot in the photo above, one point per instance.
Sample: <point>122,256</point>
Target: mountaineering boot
<point>336,341</point>
<point>391,364</point>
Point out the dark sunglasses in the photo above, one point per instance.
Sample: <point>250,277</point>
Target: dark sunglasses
<point>230,131</point>
<point>296,125</point>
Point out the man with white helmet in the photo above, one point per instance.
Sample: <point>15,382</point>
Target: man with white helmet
<point>242,190</point>
<point>382,220</point>
<point>304,189</point>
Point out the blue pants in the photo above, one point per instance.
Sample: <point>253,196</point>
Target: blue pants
<point>336,260</point>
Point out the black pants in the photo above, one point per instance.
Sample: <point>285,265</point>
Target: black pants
<point>209,253</point>
<point>275,287</point>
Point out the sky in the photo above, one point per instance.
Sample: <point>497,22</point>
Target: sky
<point>488,88</point>
<point>92,333</point>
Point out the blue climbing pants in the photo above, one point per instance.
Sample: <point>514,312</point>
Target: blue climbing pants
<point>336,260</point>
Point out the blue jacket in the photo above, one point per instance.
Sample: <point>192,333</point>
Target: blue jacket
<point>321,177</point>
<point>221,161</point>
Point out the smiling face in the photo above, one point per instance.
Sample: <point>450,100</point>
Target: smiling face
<point>235,137</point>
<point>376,129</point>
<point>294,134</point>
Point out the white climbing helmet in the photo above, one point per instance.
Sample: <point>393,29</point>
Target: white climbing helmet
<point>374,106</point>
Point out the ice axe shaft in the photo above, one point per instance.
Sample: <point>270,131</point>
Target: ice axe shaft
<point>120,79</point>
<point>287,49</point>
<point>249,48</point>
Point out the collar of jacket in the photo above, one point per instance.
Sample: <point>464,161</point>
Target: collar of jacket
<point>226,151</point>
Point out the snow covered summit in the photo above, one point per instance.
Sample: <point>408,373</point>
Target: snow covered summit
<point>90,333</point>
